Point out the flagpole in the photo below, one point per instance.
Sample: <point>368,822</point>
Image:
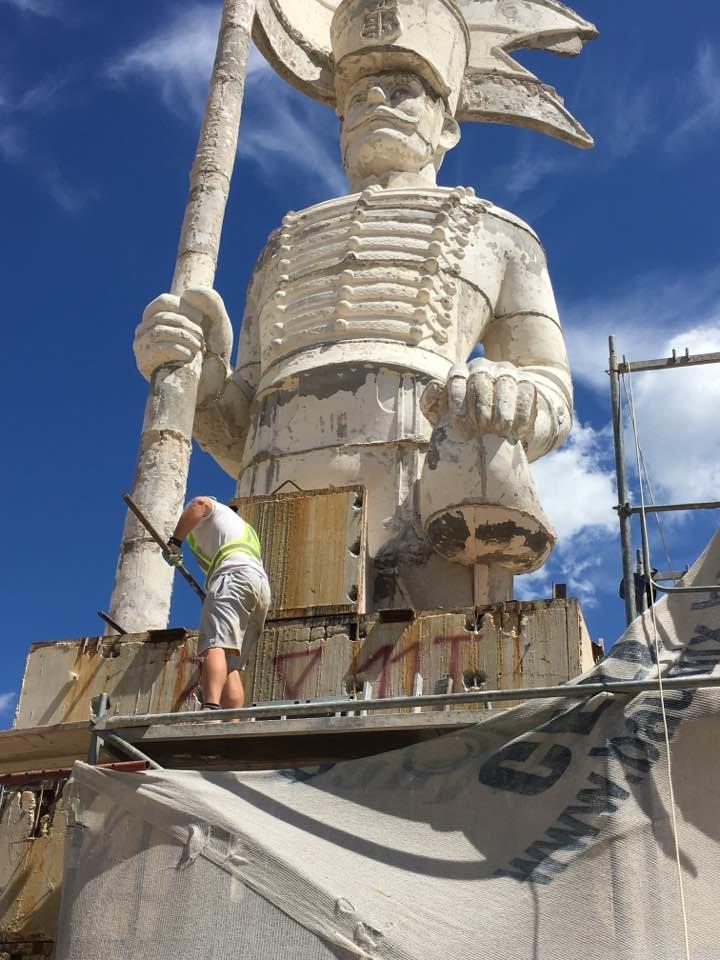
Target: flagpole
<point>143,582</point>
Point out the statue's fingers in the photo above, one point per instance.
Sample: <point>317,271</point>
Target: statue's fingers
<point>525,408</point>
<point>151,356</point>
<point>506,393</point>
<point>206,302</point>
<point>165,302</point>
<point>169,351</point>
<point>481,390</point>
<point>169,324</point>
<point>170,333</point>
<point>434,401</point>
<point>457,391</point>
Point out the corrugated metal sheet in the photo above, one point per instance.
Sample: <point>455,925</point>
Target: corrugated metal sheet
<point>313,549</point>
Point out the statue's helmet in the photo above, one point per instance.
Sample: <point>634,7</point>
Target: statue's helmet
<point>429,38</point>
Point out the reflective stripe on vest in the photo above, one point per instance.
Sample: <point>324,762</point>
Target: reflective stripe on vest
<point>249,544</point>
<point>203,560</point>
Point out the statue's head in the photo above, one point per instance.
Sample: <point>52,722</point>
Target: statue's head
<point>398,74</point>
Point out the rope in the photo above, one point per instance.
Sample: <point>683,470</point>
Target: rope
<point>673,811</point>
<point>652,494</point>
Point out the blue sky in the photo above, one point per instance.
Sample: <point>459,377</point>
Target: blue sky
<point>99,108</point>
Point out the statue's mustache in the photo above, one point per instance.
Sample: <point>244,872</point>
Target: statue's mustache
<point>386,113</point>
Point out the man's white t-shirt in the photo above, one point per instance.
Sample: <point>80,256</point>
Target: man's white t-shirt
<point>222,525</point>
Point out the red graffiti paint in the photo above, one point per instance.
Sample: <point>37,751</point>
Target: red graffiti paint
<point>387,659</point>
<point>281,661</point>
<point>455,661</point>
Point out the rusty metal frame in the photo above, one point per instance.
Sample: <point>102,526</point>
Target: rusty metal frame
<point>580,691</point>
<point>64,773</point>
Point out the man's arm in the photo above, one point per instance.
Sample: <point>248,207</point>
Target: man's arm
<point>196,510</point>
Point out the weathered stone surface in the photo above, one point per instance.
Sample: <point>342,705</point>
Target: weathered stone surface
<point>143,673</point>
<point>530,643</point>
<point>509,646</point>
<point>31,859</point>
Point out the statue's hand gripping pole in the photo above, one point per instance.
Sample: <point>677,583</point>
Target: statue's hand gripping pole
<point>143,582</point>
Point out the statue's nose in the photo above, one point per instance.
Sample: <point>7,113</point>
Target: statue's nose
<point>376,96</point>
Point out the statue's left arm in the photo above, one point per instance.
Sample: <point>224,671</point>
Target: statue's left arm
<point>526,334</point>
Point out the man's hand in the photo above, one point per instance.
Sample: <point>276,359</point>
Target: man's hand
<point>485,397</point>
<point>172,554</point>
<point>174,329</point>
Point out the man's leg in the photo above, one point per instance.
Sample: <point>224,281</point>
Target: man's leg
<point>233,694</point>
<point>214,674</point>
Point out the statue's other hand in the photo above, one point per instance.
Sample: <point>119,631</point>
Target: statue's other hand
<point>492,397</point>
<point>174,329</point>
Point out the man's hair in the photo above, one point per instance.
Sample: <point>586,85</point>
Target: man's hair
<point>233,507</point>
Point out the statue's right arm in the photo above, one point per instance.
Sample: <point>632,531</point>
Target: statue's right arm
<point>174,330</point>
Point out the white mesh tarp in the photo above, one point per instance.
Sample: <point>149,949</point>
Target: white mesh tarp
<point>541,834</point>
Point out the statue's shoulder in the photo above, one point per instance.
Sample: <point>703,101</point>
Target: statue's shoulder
<point>515,225</point>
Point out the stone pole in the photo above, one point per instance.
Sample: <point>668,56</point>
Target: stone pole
<point>143,582</point>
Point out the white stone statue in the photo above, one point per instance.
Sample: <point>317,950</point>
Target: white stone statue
<point>352,363</point>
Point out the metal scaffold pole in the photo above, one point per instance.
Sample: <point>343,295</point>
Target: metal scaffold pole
<point>622,487</point>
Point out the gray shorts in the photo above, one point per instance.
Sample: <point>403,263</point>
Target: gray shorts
<point>233,615</point>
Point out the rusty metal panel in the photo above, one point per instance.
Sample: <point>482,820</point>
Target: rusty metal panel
<point>31,861</point>
<point>142,673</point>
<point>313,549</point>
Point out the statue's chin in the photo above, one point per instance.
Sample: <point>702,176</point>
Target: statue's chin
<point>384,151</point>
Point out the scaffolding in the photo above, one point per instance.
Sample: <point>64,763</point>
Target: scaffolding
<point>653,579</point>
<point>120,735</point>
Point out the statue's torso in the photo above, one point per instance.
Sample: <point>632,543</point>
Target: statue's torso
<point>403,278</point>
<point>358,304</point>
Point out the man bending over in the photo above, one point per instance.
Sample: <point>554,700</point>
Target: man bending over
<point>233,615</point>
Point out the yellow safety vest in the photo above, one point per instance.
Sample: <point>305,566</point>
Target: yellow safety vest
<point>249,544</point>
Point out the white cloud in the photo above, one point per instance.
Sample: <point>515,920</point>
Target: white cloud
<point>576,484</point>
<point>42,8</point>
<point>176,59</point>
<point>643,317</point>
<point>7,702</point>
<point>623,114</point>
<point>676,409</point>
<point>16,148</point>
<point>282,132</point>
<point>677,414</point>
<point>530,167</point>
<point>577,489</point>
<point>699,100</point>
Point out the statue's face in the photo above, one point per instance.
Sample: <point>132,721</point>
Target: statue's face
<point>392,123</point>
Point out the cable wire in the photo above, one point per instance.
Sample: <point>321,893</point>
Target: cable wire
<point>651,491</point>
<point>646,548</point>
